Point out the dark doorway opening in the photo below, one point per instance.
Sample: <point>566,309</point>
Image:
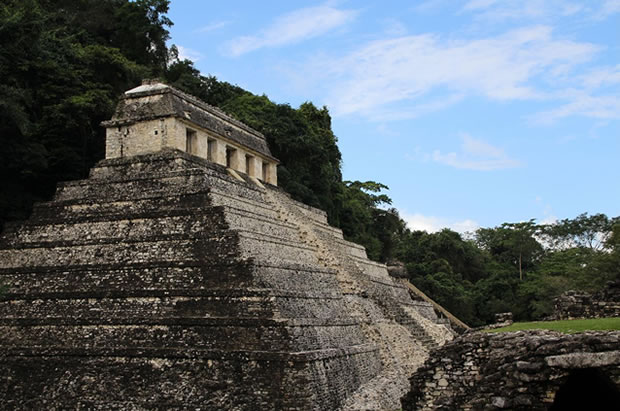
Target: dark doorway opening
<point>230,152</point>
<point>587,389</point>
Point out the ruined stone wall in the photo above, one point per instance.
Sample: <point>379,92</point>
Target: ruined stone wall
<point>573,304</point>
<point>520,370</point>
<point>163,282</point>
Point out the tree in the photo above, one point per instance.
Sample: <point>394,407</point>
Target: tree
<point>584,231</point>
<point>359,216</point>
<point>63,65</point>
<point>512,242</point>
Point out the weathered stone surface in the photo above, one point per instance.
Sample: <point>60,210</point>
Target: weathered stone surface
<point>156,116</point>
<point>162,282</point>
<point>526,370</point>
<point>155,101</point>
<point>584,359</point>
<point>573,304</point>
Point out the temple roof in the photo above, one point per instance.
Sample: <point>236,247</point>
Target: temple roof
<point>171,102</point>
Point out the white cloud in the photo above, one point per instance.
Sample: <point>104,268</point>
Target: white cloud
<point>601,76</point>
<point>410,67</point>
<point>393,27</point>
<point>213,26</point>
<point>189,54</point>
<point>475,155</point>
<point>596,96</point>
<point>548,215</point>
<point>548,219</point>
<point>292,28</point>
<point>417,110</point>
<point>498,11</point>
<point>430,5</point>
<point>478,4</point>
<point>433,224</point>
<point>582,104</point>
<point>608,8</point>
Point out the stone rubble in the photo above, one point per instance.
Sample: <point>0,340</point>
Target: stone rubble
<point>573,304</point>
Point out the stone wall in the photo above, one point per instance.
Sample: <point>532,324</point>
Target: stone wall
<point>163,282</point>
<point>573,304</point>
<point>527,370</point>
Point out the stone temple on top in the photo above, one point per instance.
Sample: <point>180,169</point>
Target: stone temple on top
<point>179,276</point>
<point>155,116</point>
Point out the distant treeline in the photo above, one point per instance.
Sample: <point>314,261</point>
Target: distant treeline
<point>517,267</point>
<point>64,63</point>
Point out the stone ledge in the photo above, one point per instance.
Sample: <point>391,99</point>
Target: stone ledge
<point>296,357</point>
<point>169,175</point>
<point>179,321</point>
<point>98,217</point>
<point>121,266</point>
<point>265,263</point>
<point>584,359</point>
<point>244,213</point>
<point>168,292</point>
<point>207,234</point>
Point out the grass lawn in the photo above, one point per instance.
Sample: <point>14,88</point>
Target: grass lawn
<point>565,326</point>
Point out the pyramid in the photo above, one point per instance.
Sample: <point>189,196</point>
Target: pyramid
<point>180,276</point>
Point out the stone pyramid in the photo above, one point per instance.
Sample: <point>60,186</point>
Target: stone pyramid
<point>168,281</point>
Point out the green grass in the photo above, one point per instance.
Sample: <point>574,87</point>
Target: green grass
<point>565,326</point>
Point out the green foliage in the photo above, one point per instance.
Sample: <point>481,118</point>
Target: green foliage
<point>477,278</point>
<point>63,65</point>
<point>512,243</point>
<point>363,222</point>
<point>183,75</point>
<point>583,231</point>
<point>444,266</point>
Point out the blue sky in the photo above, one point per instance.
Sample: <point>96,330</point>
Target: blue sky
<point>473,112</point>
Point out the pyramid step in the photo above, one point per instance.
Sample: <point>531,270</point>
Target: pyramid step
<point>245,220</point>
<point>114,277</point>
<point>92,308</point>
<point>166,278</point>
<point>253,206</point>
<point>168,378</point>
<point>326,229</point>
<point>340,245</point>
<point>85,210</point>
<point>180,182</point>
<point>86,306</point>
<point>163,354</point>
<point>166,333</point>
<point>117,228</point>
<point>260,247</point>
<point>160,163</point>
<point>172,249</point>
<point>176,163</point>
<point>310,213</point>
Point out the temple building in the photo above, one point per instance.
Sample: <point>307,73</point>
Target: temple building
<point>155,116</point>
